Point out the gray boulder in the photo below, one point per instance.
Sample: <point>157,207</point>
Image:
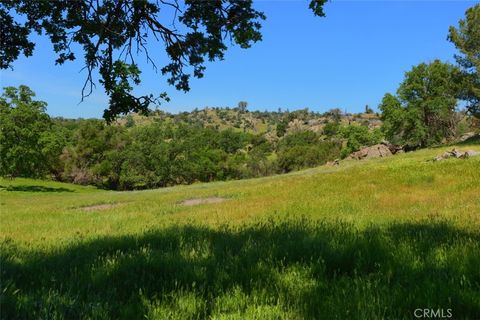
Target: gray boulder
<point>375,151</point>
<point>454,153</point>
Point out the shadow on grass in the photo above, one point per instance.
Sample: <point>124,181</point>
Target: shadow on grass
<point>472,140</point>
<point>296,269</point>
<point>30,188</point>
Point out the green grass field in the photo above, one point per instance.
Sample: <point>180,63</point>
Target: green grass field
<point>365,240</point>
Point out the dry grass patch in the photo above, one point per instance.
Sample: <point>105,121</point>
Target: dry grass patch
<point>197,201</point>
<point>98,207</point>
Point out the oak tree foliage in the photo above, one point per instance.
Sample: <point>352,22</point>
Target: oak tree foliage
<point>113,34</point>
<point>29,142</point>
<point>467,40</point>
<point>424,111</point>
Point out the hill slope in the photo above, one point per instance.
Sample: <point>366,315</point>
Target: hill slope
<point>364,240</point>
<point>256,122</point>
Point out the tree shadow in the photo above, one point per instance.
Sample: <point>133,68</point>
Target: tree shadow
<point>294,269</point>
<point>472,140</point>
<point>30,188</point>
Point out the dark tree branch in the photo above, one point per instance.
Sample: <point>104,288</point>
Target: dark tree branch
<point>125,29</point>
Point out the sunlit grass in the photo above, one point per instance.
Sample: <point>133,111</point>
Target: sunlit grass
<point>364,240</point>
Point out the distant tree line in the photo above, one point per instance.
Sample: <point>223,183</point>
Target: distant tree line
<point>190,147</point>
<point>183,149</point>
<point>158,154</point>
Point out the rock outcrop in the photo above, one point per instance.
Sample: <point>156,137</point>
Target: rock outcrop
<point>376,151</point>
<point>333,163</point>
<point>454,153</point>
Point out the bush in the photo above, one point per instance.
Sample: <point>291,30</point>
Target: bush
<point>331,129</point>
<point>304,149</point>
<point>358,136</point>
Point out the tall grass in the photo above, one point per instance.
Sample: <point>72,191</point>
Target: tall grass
<point>363,241</point>
<point>294,269</point>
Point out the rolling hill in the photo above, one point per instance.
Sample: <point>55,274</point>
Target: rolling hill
<point>373,239</point>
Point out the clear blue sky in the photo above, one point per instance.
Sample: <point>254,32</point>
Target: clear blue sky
<point>348,59</point>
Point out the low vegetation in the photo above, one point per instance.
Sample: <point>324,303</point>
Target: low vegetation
<point>373,239</point>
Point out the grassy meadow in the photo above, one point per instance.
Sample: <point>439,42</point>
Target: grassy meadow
<point>364,240</point>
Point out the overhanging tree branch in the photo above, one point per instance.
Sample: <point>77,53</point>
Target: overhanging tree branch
<point>113,33</point>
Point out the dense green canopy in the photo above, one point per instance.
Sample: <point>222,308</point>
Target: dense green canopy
<point>423,113</point>
<point>467,40</point>
<point>28,145</point>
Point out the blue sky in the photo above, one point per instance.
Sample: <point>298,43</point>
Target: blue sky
<point>348,59</point>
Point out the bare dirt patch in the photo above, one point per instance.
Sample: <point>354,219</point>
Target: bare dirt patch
<point>104,206</point>
<point>197,201</point>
